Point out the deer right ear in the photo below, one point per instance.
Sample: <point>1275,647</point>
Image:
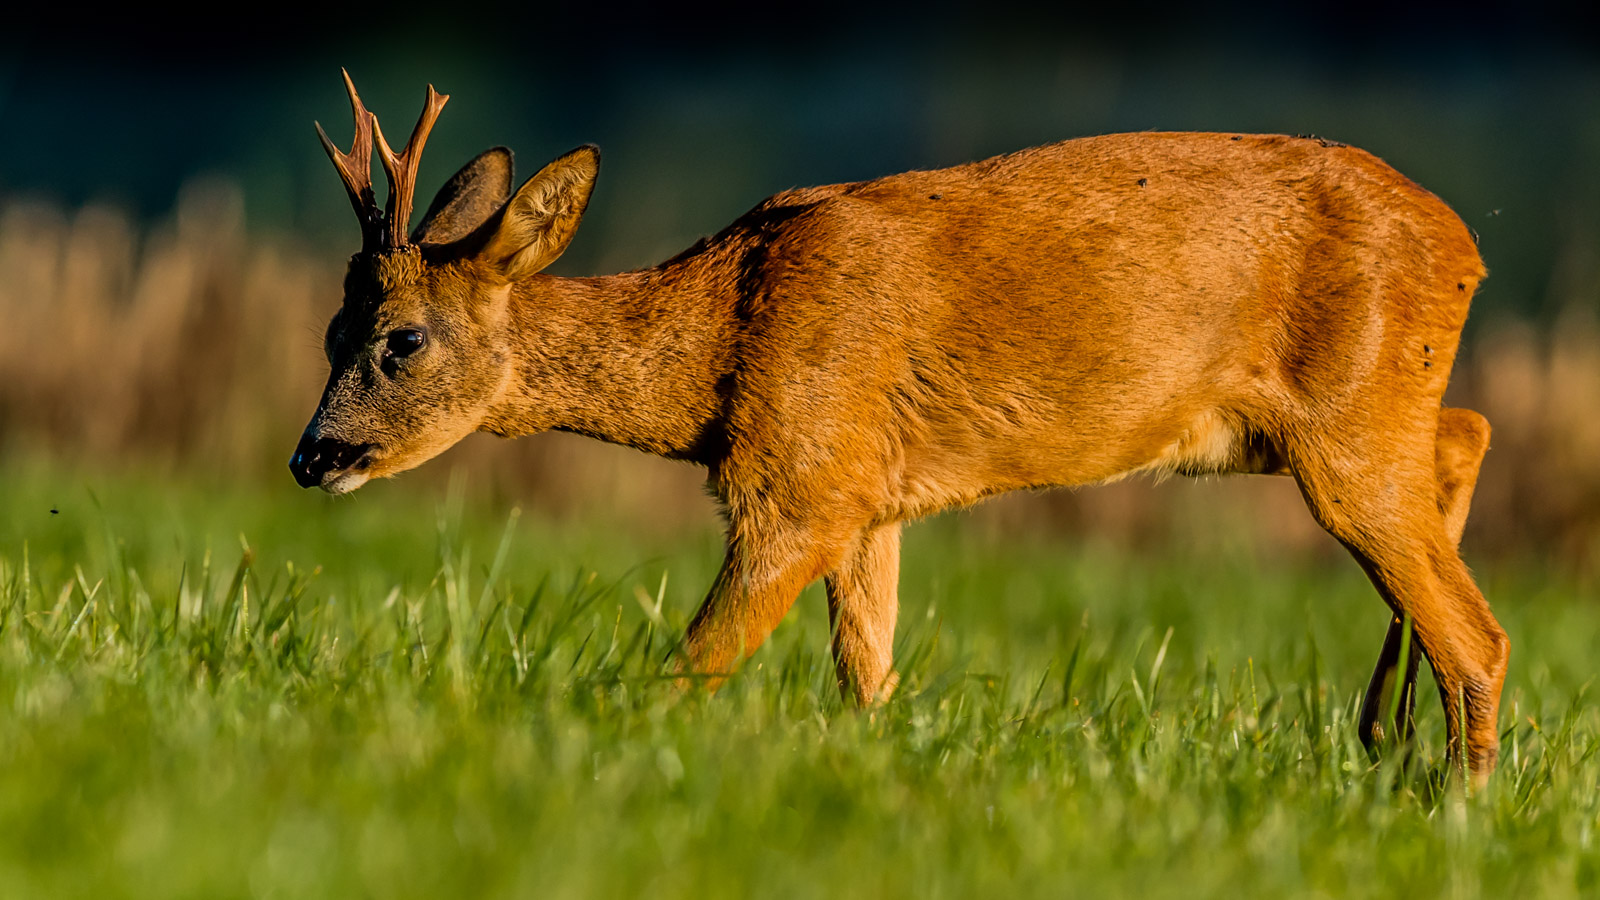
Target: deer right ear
<point>540,220</point>
<point>468,199</point>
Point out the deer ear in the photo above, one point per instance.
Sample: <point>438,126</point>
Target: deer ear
<point>468,199</point>
<point>540,220</point>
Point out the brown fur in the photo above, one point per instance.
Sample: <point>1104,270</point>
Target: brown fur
<point>846,358</point>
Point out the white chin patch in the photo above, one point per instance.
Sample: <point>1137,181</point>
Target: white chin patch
<point>345,482</point>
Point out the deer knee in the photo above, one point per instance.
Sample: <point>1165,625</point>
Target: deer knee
<point>1464,426</point>
<point>1461,441</point>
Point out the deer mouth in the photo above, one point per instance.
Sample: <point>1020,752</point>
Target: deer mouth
<point>344,482</point>
<point>331,464</point>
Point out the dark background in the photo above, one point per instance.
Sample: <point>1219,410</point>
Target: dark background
<point>703,111</point>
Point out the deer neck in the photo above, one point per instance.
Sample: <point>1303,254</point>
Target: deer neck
<point>633,359</point>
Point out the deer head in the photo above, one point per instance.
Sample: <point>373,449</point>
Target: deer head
<point>420,350</point>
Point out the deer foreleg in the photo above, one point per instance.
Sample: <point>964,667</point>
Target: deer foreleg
<point>862,604</point>
<point>762,574</point>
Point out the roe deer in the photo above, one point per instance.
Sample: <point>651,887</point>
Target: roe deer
<point>845,358</point>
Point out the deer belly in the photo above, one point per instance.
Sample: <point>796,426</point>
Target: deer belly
<point>959,466</point>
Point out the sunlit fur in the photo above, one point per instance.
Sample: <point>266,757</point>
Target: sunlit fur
<point>413,409</point>
<point>846,358</point>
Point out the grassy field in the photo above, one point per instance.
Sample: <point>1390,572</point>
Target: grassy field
<point>229,691</point>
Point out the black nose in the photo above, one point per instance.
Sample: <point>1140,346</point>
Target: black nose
<point>315,458</point>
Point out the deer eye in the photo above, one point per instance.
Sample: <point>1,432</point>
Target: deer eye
<point>403,342</point>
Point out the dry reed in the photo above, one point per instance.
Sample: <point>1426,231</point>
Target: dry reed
<point>196,344</point>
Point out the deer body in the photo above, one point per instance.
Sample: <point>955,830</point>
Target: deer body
<point>845,358</point>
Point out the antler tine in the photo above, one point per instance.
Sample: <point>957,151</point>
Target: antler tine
<point>402,168</point>
<point>355,167</point>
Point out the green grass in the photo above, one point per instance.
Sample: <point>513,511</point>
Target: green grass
<point>251,691</point>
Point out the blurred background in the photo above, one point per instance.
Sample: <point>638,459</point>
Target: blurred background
<point>172,237</point>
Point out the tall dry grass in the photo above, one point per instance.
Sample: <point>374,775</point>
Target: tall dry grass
<point>187,341</point>
<point>195,344</point>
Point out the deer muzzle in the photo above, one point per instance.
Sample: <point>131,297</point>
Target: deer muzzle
<point>329,463</point>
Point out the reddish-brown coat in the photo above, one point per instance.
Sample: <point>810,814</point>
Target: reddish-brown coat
<point>845,358</point>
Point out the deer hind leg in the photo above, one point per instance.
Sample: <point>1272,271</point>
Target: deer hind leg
<point>1461,440</point>
<point>1384,506</point>
<point>763,572</point>
<point>862,604</point>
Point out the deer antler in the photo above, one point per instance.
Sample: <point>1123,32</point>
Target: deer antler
<point>355,168</point>
<point>402,168</point>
